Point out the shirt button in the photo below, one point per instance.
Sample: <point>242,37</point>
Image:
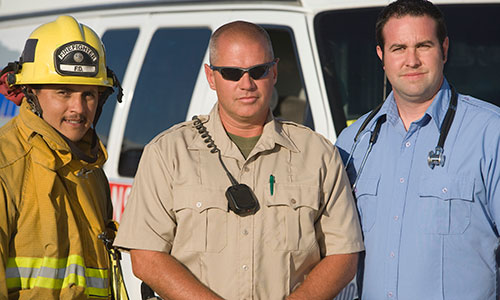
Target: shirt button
<point>392,254</point>
<point>198,204</point>
<point>396,218</point>
<point>445,190</point>
<point>402,180</point>
<point>244,267</point>
<point>246,169</point>
<point>245,232</point>
<point>389,294</point>
<point>408,144</point>
<point>293,201</point>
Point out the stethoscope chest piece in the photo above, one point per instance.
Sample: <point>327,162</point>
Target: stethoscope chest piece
<point>436,158</point>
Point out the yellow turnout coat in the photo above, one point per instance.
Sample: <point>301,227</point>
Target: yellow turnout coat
<point>53,206</point>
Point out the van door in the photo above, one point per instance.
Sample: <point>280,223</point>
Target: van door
<point>160,57</point>
<point>164,80</point>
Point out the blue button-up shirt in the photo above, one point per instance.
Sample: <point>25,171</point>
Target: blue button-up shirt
<point>429,233</point>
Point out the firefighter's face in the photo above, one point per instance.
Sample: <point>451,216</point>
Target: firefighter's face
<point>70,109</point>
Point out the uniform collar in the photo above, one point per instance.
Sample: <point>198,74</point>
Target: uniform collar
<point>34,125</point>
<point>53,151</point>
<point>272,135</point>
<point>436,111</point>
<point>438,108</point>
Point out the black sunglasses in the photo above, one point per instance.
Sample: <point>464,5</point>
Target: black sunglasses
<point>235,73</point>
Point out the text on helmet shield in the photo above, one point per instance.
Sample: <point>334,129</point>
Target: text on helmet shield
<point>76,59</point>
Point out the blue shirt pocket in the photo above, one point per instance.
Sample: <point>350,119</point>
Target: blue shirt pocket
<point>446,203</point>
<point>366,199</point>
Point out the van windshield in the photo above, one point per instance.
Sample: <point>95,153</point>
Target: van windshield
<point>353,74</point>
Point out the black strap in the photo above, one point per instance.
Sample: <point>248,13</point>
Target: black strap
<point>367,120</point>
<point>374,135</point>
<point>445,126</point>
<point>448,119</point>
<point>11,67</point>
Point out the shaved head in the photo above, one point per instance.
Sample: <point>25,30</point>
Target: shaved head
<point>240,29</point>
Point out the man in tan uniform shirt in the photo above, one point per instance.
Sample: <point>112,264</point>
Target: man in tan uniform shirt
<point>303,240</point>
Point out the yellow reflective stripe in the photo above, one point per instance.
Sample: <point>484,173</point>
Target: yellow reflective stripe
<point>56,273</point>
<point>97,292</point>
<point>24,262</point>
<point>97,273</point>
<point>50,262</point>
<point>21,282</point>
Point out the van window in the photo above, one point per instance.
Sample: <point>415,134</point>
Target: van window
<point>164,88</point>
<point>119,44</point>
<point>290,99</point>
<point>353,74</point>
<point>474,55</point>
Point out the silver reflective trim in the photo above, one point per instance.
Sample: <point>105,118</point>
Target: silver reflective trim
<point>77,68</point>
<point>100,283</point>
<point>61,273</point>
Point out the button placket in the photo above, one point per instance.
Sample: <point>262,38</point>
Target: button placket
<point>401,175</point>
<point>245,255</point>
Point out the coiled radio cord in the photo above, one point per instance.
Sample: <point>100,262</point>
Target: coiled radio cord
<point>207,138</point>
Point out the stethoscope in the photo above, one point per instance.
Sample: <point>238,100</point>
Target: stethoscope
<point>435,157</point>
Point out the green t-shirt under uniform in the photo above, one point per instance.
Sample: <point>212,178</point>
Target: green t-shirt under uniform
<point>244,144</point>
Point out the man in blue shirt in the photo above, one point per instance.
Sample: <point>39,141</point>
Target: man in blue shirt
<point>429,210</point>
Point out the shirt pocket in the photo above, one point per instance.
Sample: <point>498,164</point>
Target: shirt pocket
<point>201,221</point>
<point>366,192</point>
<point>446,204</point>
<point>292,211</point>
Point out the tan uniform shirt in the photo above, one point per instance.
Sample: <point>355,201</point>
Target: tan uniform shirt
<point>178,205</point>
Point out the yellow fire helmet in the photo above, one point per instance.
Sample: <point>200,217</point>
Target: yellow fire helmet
<point>63,52</point>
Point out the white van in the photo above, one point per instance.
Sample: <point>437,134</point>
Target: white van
<point>329,73</point>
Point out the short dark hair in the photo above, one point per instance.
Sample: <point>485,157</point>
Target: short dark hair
<point>415,8</point>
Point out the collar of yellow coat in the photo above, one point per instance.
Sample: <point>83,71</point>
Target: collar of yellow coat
<point>50,149</point>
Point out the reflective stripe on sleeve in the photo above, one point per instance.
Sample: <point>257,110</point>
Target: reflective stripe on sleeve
<point>56,273</point>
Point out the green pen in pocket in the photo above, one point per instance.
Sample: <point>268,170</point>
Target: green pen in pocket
<point>271,184</point>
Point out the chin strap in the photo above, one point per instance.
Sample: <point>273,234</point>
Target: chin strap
<point>103,96</point>
<point>79,153</point>
<point>32,100</point>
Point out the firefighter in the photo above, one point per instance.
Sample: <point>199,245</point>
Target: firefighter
<point>54,195</point>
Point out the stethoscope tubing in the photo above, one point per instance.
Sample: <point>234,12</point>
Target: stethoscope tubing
<point>435,158</point>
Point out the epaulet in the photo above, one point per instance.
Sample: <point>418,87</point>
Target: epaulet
<point>480,104</point>
<point>286,122</point>
<point>179,126</point>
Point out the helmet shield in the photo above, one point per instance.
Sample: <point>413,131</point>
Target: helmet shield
<point>76,59</point>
